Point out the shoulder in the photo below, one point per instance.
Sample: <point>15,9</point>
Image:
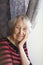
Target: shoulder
<point>4,47</point>
<point>3,43</point>
<point>3,40</point>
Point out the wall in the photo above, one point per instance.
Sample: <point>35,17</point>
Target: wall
<point>35,40</point>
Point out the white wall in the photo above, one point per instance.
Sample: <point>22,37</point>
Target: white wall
<point>35,45</point>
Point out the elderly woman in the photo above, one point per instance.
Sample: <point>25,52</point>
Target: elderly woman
<point>13,50</point>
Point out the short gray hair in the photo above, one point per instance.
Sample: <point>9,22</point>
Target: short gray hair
<point>13,21</point>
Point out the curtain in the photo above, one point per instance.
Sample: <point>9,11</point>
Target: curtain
<point>4,17</point>
<point>32,9</point>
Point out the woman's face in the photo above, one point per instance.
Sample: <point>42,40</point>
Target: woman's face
<point>19,31</point>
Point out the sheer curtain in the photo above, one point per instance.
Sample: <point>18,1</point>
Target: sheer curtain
<point>32,11</point>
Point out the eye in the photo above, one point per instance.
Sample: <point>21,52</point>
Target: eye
<point>17,27</point>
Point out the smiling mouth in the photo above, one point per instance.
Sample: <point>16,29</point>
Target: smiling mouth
<point>20,36</point>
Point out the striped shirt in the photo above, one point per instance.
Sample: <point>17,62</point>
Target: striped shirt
<point>9,53</point>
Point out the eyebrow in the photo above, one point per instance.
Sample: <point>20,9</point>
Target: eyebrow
<point>24,26</point>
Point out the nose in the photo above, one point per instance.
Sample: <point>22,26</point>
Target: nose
<point>20,31</point>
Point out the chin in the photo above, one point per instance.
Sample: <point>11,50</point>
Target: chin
<point>20,40</point>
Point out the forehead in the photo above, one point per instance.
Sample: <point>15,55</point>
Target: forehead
<point>21,23</point>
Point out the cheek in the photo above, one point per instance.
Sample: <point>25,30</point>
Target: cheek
<point>16,31</point>
<point>25,32</point>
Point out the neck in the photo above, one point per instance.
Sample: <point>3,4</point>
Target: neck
<point>13,41</point>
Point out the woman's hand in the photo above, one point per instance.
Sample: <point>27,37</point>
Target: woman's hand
<point>24,59</point>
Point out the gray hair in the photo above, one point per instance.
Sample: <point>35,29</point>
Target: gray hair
<point>25,19</point>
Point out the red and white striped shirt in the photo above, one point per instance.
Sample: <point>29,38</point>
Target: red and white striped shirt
<point>9,53</point>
